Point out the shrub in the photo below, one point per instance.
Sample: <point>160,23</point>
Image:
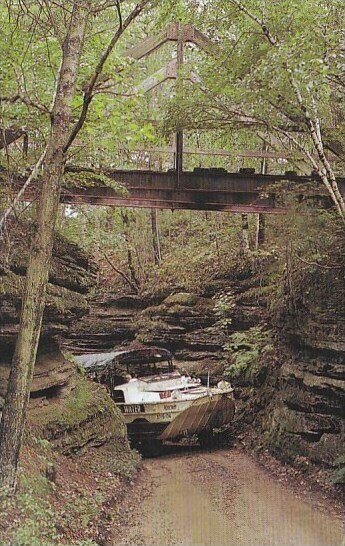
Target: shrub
<point>246,350</point>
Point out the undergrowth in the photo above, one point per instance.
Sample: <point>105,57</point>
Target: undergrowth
<point>245,352</point>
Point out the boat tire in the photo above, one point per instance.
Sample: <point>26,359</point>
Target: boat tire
<point>206,439</point>
<point>150,448</point>
<point>225,438</point>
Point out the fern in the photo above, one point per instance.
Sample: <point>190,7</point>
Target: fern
<point>245,350</point>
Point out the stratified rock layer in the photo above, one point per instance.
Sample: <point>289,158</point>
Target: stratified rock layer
<point>70,412</point>
<point>71,277</point>
<point>112,321</point>
<point>294,402</point>
<point>86,418</point>
<point>185,324</point>
<point>306,415</point>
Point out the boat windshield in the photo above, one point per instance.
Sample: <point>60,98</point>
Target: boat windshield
<point>145,369</point>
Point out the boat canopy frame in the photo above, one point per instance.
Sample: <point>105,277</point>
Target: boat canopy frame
<point>101,364</point>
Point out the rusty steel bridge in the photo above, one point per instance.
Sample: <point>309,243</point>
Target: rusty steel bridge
<point>201,189</point>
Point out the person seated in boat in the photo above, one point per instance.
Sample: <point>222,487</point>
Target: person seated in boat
<point>184,379</point>
<point>223,385</point>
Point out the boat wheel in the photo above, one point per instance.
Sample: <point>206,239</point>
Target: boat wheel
<point>225,438</point>
<point>206,438</point>
<point>150,448</point>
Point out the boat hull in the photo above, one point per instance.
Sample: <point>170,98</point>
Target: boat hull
<point>205,413</point>
<point>172,421</point>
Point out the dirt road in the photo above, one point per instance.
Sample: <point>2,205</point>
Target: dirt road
<point>220,498</point>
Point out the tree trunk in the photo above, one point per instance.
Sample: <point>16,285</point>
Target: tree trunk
<point>155,238</point>
<point>315,133</point>
<point>260,218</point>
<point>121,273</point>
<point>130,261</point>
<point>245,233</point>
<point>18,393</point>
<point>260,235</point>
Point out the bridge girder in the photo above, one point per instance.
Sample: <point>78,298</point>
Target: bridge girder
<point>204,189</point>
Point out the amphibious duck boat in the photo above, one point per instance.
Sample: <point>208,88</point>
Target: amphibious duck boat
<point>159,403</point>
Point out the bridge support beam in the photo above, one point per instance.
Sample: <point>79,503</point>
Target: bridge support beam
<point>202,189</point>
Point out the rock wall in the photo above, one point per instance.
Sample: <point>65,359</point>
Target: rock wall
<point>86,418</point>
<point>306,414</point>
<point>70,412</point>
<point>290,398</point>
<point>112,321</point>
<point>71,277</point>
<point>185,324</point>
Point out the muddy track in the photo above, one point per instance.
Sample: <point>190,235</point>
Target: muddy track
<point>200,498</point>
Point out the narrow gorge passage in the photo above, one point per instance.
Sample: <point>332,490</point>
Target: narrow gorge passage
<point>220,498</point>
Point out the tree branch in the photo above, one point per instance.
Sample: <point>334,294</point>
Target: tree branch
<point>88,93</point>
<point>27,101</point>
<point>313,125</point>
<point>10,134</point>
<point>25,186</point>
<point>322,173</point>
<point>253,17</point>
<point>315,133</point>
<point>316,264</point>
<point>121,273</point>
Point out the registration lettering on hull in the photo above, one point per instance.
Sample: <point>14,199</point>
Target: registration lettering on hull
<point>169,407</point>
<point>132,408</point>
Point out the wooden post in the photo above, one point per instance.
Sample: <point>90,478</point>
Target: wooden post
<point>260,230</point>
<point>179,154</point>
<point>130,261</point>
<point>25,145</point>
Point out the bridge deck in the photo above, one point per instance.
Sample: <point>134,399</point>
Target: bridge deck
<point>202,189</point>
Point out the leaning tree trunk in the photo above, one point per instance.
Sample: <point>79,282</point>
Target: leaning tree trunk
<point>130,261</point>
<point>155,237</point>
<point>14,411</point>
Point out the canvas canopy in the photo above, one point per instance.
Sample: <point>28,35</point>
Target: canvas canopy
<point>124,359</point>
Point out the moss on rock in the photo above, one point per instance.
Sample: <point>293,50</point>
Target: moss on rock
<point>86,417</point>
